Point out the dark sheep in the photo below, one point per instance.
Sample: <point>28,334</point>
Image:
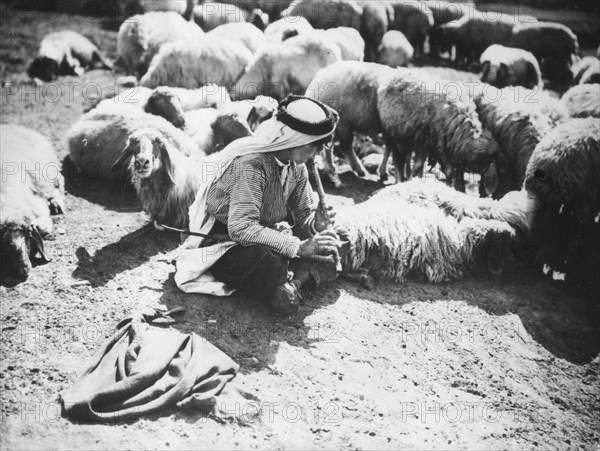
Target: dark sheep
<point>414,19</point>
<point>375,22</point>
<point>327,13</point>
<point>209,15</point>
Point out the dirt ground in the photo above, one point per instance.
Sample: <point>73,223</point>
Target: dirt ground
<point>487,362</point>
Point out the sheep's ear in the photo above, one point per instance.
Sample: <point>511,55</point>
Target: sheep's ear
<point>485,71</point>
<point>490,179</point>
<point>37,246</point>
<point>165,158</point>
<point>125,154</point>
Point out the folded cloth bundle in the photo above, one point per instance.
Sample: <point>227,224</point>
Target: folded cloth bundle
<point>144,369</point>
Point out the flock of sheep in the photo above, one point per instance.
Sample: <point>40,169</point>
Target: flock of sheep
<point>205,82</point>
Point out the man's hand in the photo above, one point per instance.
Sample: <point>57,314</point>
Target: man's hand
<point>323,218</point>
<point>320,247</point>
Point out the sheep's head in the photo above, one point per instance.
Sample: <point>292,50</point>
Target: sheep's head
<point>495,74</point>
<point>259,19</point>
<point>150,153</point>
<point>165,103</point>
<point>44,68</point>
<point>20,246</point>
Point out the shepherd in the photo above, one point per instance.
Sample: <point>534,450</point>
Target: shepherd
<point>250,189</point>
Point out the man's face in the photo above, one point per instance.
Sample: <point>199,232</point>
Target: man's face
<point>304,153</point>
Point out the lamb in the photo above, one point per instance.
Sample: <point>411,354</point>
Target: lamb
<point>210,15</point>
<point>518,119</point>
<point>184,8</point>
<point>394,50</point>
<point>193,64</point>
<point>97,138</point>
<point>243,33</point>
<point>430,230</point>
<point>327,13</point>
<point>165,179</point>
<point>563,175</point>
<point>587,70</point>
<point>65,53</point>
<point>375,22</point>
<point>582,101</point>
<point>286,67</point>
<point>418,115</point>
<point>350,88</point>
<point>414,19</point>
<point>32,188</point>
<point>141,36</point>
<point>506,66</point>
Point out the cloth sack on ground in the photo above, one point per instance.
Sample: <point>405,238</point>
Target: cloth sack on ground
<point>144,369</point>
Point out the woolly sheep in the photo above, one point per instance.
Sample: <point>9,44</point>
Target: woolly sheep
<point>65,53</point>
<point>413,19</point>
<point>582,101</point>
<point>394,49</point>
<point>243,33</point>
<point>472,34</point>
<point>182,7</point>
<point>32,188</point>
<point>586,70</point>
<point>563,175</point>
<point>351,44</point>
<point>96,140</point>
<point>417,115</point>
<point>430,230</point>
<point>141,36</point>
<point>327,13</point>
<point>278,69</point>
<point>287,27</point>
<point>165,179</point>
<point>375,22</point>
<point>518,119</point>
<point>350,87</point>
<point>210,15</point>
<point>193,64</point>
<point>506,66</point>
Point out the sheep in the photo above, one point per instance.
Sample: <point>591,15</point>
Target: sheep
<point>184,8</point>
<point>414,19</point>
<point>563,176</point>
<point>582,101</point>
<point>97,138</point>
<point>350,88</point>
<point>213,129</point>
<point>243,33</point>
<point>418,115</point>
<point>351,44</point>
<point>65,53</point>
<point>518,119</point>
<point>193,64</point>
<point>255,111</point>
<point>210,15</point>
<point>472,34</point>
<point>444,12</point>
<point>165,179</point>
<point>141,36</point>
<point>553,44</point>
<point>327,13</point>
<point>278,69</point>
<point>506,66</point>
<point>586,70</point>
<point>394,49</point>
<point>428,229</point>
<point>376,19</point>
<point>287,27</point>
<point>32,188</point>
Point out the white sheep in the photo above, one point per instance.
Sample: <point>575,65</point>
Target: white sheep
<point>428,229</point>
<point>32,188</point>
<point>507,66</point>
<point>281,68</point>
<point>244,33</point>
<point>349,40</point>
<point>582,101</point>
<point>394,50</point>
<point>65,53</point>
<point>141,36</point>
<point>195,63</point>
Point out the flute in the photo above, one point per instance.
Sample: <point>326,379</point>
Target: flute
<point>321,193</point>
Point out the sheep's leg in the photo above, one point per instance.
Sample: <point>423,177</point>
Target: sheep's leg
<point>419,163</point>
<point>382,169</point>
<point>459,179</point>
<point>346,139</point>
<point>399,156</point>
